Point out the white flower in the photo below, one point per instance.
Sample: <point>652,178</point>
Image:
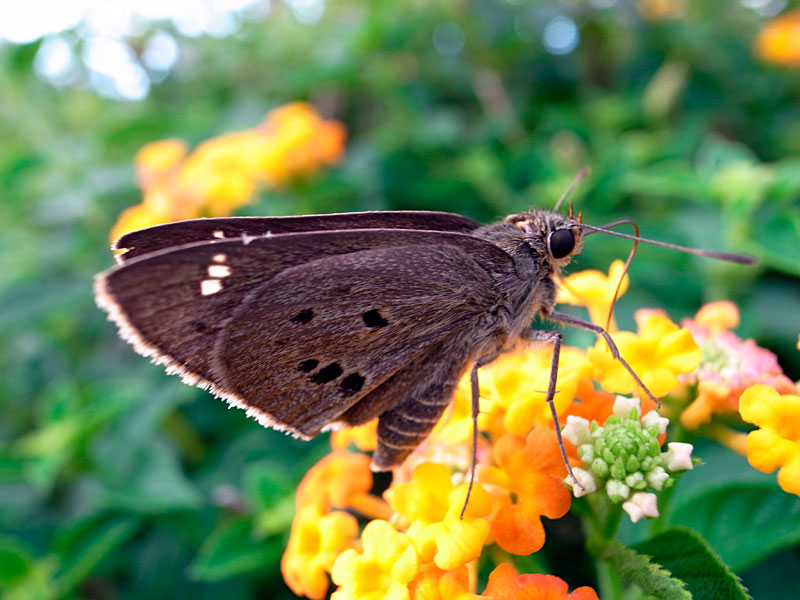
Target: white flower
<point>653,419</point>
<point>617,489</point>
<point>576,431</point>
<point>656,478</point>
<point>623,406</point>
<point>678,457</point>
<point>641,504</point>
<point>634,478</point>
<point>586,453</point>
<point>585,479</point>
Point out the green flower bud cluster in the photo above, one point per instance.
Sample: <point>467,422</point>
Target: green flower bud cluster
<point>624,457</point>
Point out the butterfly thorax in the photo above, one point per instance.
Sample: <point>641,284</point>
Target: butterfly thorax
<point>526,237</point>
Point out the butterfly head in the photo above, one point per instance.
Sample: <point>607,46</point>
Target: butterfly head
<point>555,237</point>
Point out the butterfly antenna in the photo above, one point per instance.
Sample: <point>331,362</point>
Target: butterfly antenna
<point>625,268</point>
<point>578,178</point>
<point>742,259</point>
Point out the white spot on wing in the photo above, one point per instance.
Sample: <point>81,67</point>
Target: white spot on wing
<point>220,257</point>
<point>219,234</point>
<point>219,271</point>
<point>210,286</point>
<point>246,239</point>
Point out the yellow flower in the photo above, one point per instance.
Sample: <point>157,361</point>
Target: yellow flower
<point>779,40</point>
<point>432,505</point>
<point>157,159</point>
<point>433,583</point>
<point>514,387</point>
<point>305,141</point>
<point>316,541</point>
<point>224,173</point>
<point>136,217</point>
<point>657,354</point>
<point>365,437</point>
<point>382,571</point>
<point>595,290</point>
<point>455,425</point>
<point>776,444</point>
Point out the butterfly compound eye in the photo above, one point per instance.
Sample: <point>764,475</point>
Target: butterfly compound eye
<point>561,242</point>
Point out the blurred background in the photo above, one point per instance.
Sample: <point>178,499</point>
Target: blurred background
<point>117,481</point>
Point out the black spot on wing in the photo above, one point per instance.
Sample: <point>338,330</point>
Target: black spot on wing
<point>327,373</point>
<point>304,316</point>
<point>308,365</point>
<point>352,384</point>
<point>373,318</point>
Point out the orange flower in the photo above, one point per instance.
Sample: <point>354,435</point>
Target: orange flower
<point>658,354</point>
<point>531,470</point>
<point>505,584</point>
<point>433,583</point>
<point>384,569</point>
<point>316,541</point>
<point>778,41</point>
<point>335,481</point>
<point>596,406</point>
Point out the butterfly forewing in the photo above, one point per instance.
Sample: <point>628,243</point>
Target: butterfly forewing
<point>312,341</point>
<point>152,239</point>
<point>173,305</point>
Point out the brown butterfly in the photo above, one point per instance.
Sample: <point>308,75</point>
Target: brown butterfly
<point>317,321</point>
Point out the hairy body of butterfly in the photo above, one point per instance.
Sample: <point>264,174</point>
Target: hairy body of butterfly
<point>310,322</point>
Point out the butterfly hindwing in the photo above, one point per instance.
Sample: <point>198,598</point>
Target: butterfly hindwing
<point>309,344</point>
<point>152,239</point>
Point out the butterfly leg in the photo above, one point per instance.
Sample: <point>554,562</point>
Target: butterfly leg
<point>537,336</point>
<point>566,319</point>
<point>476,409</point>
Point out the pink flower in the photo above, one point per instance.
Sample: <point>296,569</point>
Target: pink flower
<point>729,366</point>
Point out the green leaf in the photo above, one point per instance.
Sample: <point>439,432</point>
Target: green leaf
<point>232,550</point>
<point>82,547</point>
<point>272,497</point>
<point>744,522</point>
<point>648,575</point>
<point>775,233</point>
<point>666,180</point>
<point>689,558</point>
<point>15,562</point>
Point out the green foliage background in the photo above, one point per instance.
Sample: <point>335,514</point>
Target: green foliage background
<point>117,481</point>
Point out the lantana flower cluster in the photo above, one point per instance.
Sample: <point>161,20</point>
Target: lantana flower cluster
<point>224,173</point>
<point>417,545</point>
